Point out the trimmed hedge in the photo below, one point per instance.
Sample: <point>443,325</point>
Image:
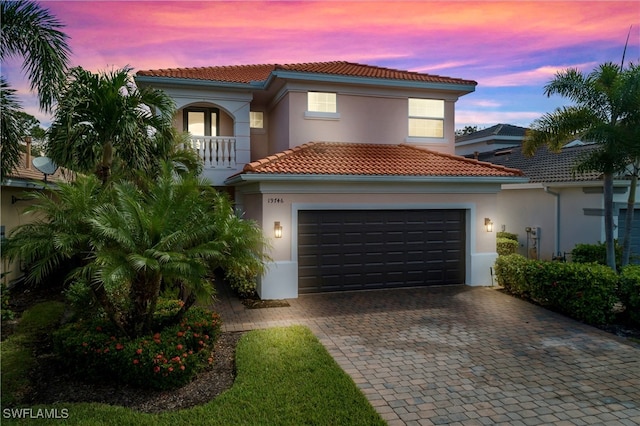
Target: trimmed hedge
<point>506,243</point>
<point>630,292</point>
<point>586,292</point>
<point>506,246</point>
<point>510,273</point>
<point>589,253</point>
<point>507,235</point>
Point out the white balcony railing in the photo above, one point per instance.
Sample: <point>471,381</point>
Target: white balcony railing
<point>217,152</point>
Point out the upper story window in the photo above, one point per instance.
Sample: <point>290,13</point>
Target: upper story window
<point>426,118</point>
<point>321,102</point>
<point>201,121</point>
<point>256,119</point>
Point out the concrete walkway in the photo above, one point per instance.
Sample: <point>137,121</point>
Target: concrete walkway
<point>464,355</point>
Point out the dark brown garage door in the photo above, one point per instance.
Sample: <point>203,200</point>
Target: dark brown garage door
<point>363,249</point>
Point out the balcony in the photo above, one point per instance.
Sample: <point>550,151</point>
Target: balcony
<point>217,152</point>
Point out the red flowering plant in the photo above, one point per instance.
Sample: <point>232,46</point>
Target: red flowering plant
<point>166,359</point>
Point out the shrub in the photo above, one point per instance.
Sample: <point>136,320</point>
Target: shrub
<point>242,283</point>
<point>167,359</point>
<point>590,253</point>
<point>507,235</point>
<point>586,292</point>
<point>5,311</point>
<point>630,292</point>
<point>510,273</point>
<point>506,246</point>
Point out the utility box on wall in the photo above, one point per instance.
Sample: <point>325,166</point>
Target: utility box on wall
<point>533,242</point>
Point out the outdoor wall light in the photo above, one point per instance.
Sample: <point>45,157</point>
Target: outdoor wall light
<point>488,224</point>
<point>277,229</point>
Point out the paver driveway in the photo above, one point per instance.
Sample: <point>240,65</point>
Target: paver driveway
<point>465,355</point>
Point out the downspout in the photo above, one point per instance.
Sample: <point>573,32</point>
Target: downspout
<point>557,195</point>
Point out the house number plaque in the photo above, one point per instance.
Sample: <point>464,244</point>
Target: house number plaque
<point>275,200</point>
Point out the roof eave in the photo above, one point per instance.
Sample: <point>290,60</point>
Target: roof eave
<point>175,81</point>
<point>27,183</point>
<point>373,81</point>
<point>276,177</point>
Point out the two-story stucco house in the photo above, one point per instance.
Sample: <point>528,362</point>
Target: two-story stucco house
<point>349,169</point>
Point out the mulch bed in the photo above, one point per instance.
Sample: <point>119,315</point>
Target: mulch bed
<point>50,385</point>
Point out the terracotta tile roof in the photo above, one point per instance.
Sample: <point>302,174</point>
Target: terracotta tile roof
<point>545,166</point>
<point>249,73</point>
<point>25,171</point>
<point>328,158</point>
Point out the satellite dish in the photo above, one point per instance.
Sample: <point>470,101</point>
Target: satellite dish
<point>45,165</point>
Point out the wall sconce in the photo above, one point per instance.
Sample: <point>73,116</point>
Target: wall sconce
<point>488,224</point>
<point>277,230</point>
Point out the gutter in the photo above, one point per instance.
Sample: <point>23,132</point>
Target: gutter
<point>557,196</point>
<point>199,83</point>
<point>264,177</point>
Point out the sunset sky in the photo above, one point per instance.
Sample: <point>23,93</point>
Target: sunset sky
<point>510,48</point>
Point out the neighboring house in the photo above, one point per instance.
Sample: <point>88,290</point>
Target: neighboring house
<point>24,178</point>
<point>348,168</point>
<point>557,208</point>
<point>490,139</point>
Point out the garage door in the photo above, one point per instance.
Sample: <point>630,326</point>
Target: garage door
<point>361,249</point>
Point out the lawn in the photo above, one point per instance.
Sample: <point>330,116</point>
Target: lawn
<point>284,377</point>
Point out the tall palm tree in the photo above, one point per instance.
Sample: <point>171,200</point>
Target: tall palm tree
<point>29,31</point>
<point>10,134</point>
<point>103,117</point>
<point>601,113</point>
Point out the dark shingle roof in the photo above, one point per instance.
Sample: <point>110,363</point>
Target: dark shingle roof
<point>545,166</point>
<point>496,131</point>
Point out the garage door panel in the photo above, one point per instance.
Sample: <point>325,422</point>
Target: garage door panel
<point>352,250</point>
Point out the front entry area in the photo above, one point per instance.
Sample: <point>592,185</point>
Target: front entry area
<point>341,250</point>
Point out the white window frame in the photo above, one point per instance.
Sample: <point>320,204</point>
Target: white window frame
<point>322,105</point>
<point>256,119</point>
<point>426,111</point>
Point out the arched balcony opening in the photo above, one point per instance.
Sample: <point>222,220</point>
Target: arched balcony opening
<point>211,134</point>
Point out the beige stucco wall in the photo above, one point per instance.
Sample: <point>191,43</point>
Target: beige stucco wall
<point>521,207</point>
<point>11,216</point>
<point>363,118</point>
<point>278,131</point>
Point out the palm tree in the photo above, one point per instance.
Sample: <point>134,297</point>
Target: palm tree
<point>105,117</point>
<point>602,113</point>
<point>31,32</point>
<point>131,242</point>
<point>10,134</point>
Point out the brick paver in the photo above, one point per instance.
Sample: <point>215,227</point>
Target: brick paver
<point>464,355</point>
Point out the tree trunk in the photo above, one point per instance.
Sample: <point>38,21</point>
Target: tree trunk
<point>608,220</point>
<point>631,201</point>
<point>105,303</point>
<point>144,294</point>
<point>104,168</point>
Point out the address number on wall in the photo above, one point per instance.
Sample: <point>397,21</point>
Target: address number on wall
<point>275,200</point>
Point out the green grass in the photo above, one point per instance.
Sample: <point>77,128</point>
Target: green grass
<point>285,377</point>
<point>16,352</point>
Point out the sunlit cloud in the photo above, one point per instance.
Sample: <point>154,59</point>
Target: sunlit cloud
<point>498,44</point>
<point>485,118</point>
<point>529,78</point>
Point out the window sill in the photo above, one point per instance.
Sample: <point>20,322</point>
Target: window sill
<point>314,115</point>
<point>414,139</point>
